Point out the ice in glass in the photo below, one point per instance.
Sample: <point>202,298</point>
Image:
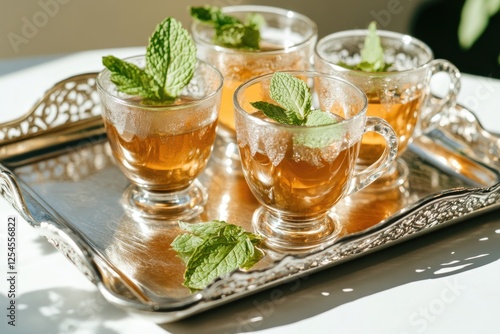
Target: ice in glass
<point>297,172</point>
<point>287,43</point>
<point>400,94</point>
<point>162,148</point>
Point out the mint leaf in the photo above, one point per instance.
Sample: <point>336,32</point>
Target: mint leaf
<point>279,114</point>
<point>319,139</point>
<point>318,117</point>
<point>212,15</point>
<point>213,249</point>
<point>229,31</point>
<point>171,57</point>
<point>238,36</point>
<point>372,53</point>
<point>216,257</point>
<point>255,21</point>
<point>186,244</point>
<point>131,79</point>
<point>170,65</point>
<point>230,35</point>
<point>204,230</point>
<point>295,102</point>
<point>291,93</point>
<point>257,256</point>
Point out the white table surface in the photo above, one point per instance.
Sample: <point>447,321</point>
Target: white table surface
<point>445,282</point>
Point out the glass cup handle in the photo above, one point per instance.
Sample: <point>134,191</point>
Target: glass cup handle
<point>434,105</point>
<point>366,176</point>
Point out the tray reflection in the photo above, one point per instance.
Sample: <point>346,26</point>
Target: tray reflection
<point>62,179</point>
<point>84,186</point>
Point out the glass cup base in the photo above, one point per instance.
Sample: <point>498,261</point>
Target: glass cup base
<point>295,237</point>
<point>396,176</point>
<point>167,206</point>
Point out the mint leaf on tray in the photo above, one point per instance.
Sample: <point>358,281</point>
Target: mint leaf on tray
<point>213,249</point>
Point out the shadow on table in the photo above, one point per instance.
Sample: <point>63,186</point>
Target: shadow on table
<point>61,310</point>
<point>465,246</point>
<point>44,247</point>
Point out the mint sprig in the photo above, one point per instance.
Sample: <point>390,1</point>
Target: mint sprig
<point>213,249</point>
<point>372,53</point>
<point>295,108</point>
<point>229,31</point>
<point>131,79</point>
<point>170,65</point>
<point>295,102</point>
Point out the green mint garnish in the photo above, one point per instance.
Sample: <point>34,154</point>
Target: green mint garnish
<point>131,79</point>
<point>170,64</point>
<point>213,249</point>
<point>295,101</point>
<point>372,53</point>
<point>229,31</point>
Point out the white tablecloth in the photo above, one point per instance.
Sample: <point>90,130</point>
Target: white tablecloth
<point>404,289</point>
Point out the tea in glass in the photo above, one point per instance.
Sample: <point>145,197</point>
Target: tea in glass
<point>399,94</point>
<point>287,43</point>
<point>298,173</point>
<point>162,148</point>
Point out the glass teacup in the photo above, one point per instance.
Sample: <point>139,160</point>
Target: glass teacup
<point>400,95</point>
<point>287,43</point>
<point>162,149</point>
<point>298,173</point>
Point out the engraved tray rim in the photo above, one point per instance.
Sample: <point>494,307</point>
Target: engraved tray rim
<point>238,284</point>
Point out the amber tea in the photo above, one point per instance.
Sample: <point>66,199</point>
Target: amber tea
<point>401,113</point>
<point>299,172</point>
<point>399,93</point>
<point>238,68</point>
<point>287,41</point>
<point>167,162</point>
<point>299,187</point>
<point>162,147</point>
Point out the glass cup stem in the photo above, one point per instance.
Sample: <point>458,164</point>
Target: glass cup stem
<point>179,205</point>
<point>289,235</point>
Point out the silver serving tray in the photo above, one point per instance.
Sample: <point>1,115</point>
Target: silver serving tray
<point>57,171</point>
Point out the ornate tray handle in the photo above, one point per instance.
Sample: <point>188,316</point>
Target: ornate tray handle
<point>63,239</point>
<point>68,244</point>
<point>10,190</point>
<point>470,136</point>
<point>68,112</point>
<point>68,101</point>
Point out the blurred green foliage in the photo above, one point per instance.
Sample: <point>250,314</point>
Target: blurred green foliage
<point>474,20</point>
